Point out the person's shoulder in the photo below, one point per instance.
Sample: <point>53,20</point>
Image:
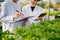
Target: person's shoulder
<point>5,3</point>
<point>26,6</point>
<point>40,9</point>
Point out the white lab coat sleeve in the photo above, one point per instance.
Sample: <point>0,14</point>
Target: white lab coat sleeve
<point>23,10</point>
<point>19,6</point>
<point>40,11</point>
<point>5,14</point>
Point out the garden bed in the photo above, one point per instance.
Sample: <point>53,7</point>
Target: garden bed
<point>49,30</point>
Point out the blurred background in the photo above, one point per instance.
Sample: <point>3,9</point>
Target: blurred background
<point>51,7</point>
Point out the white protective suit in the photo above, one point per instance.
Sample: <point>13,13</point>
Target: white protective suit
<point>8,9</point>
<point>36,12</point>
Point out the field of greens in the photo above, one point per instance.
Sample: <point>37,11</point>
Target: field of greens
<point>49,30</point>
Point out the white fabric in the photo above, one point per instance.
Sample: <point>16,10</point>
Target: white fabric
<point>7,0</point>
<point>36,12</point>
<point>8,10</point>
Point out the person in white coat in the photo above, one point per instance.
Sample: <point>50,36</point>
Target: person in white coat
<point>10,12</point>
<point>32,9</point>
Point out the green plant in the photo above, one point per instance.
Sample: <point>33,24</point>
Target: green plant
<point>52,13</point>
<point>45,4</point>
<point>9,36</point>
<point>41,5</point>
<point>49,30</point>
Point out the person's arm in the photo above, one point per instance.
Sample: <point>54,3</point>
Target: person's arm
<point>41,11</point>
<point>18,14</point>
<point>39,18</point>
<point>25,15</point>
<point>5,14</point>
